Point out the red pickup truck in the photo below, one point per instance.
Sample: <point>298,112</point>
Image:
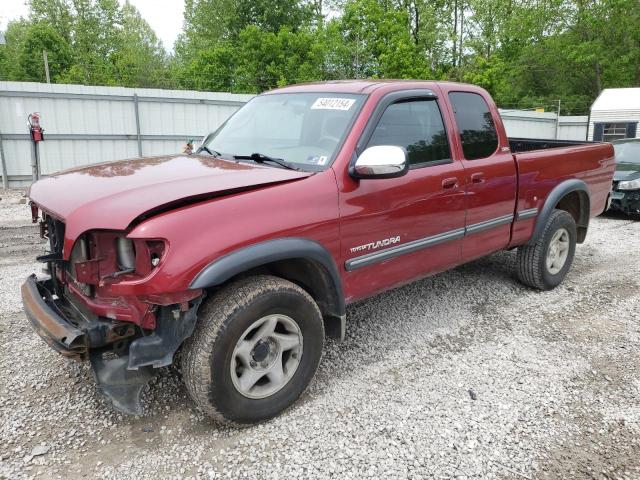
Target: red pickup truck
<point>310,197</point>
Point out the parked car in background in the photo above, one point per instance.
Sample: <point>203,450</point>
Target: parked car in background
<point>625,195</point>
<point>308,198</point>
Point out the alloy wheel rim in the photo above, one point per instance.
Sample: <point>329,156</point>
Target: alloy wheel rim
<point>558,251</point>
<point>266,356</point>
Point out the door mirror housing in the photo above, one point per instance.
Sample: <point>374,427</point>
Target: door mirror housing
<point>382,161</point>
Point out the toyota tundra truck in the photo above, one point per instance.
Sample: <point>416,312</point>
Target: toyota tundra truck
<point>245,254</point>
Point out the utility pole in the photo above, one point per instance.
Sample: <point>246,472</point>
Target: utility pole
<point>461,39</point>
<point>455,32</point>
<point>46,65</point>
<point>5,177</point>
<point>357,59</point>
<point>558,118</point>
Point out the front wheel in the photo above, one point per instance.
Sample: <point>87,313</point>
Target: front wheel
<point>257,345</point>
<point>544,264</point>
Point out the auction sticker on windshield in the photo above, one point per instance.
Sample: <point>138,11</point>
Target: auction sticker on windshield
<point>328,103</point>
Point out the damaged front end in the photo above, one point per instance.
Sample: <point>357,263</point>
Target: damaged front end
<point>87,308</point>
<point>625,201</point>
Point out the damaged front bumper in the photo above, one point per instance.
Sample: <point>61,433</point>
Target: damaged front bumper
<point>41,310</point>
<point>626,201</point>
<point>123,356</point>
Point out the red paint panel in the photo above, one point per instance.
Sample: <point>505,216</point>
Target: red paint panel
<point>111,195</point>
<point>540,171</point>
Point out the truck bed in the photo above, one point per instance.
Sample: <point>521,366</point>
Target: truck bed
<point>528,144</point>
<point>543,168</point>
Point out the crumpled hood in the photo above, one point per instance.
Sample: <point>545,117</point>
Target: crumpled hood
<point>112,195</point>
<point>626,171</point>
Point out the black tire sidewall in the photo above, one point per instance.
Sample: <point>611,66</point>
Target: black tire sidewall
<point>224,395</point>
<point>560,220</point>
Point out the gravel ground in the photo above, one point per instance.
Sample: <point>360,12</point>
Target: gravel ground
<point>463,375</point>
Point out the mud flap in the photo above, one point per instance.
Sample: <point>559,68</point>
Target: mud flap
<point>120,385</point>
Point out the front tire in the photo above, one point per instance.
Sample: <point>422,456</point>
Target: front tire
<point>544,264</point>
<point>256,346</point>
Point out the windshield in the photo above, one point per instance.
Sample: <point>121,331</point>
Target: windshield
<point>627,152</point>
<point>303,129</point>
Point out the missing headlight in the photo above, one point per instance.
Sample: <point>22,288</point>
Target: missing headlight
<point>126,254</point>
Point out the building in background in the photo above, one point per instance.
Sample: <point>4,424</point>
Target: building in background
<point>615,115</point>
<point>544,125</point>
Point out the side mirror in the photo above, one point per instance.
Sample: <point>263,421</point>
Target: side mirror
<point>383,161</point>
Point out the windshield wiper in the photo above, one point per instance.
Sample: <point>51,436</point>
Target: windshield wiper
<point>261,158</point>
<point>213,153</point>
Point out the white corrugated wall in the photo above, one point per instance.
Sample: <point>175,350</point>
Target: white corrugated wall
<point>77,118</point>
<point>528,124</point>
<point>573,127</point>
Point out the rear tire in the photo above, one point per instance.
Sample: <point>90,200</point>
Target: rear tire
<point>256,346</point>
<point>544,264</point>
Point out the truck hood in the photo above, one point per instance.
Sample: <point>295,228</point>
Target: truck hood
<point>626,171</point>
<point>112,195</point>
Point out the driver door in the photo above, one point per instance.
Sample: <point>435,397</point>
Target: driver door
<point>398,229</point>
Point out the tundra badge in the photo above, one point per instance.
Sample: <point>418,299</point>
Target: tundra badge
<point>375,245</point>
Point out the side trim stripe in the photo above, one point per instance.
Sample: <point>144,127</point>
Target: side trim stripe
<point>528,213</point>
<point>410,247</point>
<point>414,246</point>
<point>482,226</point>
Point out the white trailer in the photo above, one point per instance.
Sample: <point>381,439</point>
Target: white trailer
<point>615,115</point>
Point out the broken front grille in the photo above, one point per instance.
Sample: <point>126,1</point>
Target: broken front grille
<point>52,230</point>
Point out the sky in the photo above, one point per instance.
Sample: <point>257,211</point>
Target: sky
<point>164,16</point>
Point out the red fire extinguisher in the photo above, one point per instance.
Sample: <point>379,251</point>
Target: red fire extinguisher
<point>37,132</point>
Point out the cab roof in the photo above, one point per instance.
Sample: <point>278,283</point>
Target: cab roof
<point>355,86</point>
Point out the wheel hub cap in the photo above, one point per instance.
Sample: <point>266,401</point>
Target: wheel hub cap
<point>261,351</point>
<point>266,356</point>
<point>558,251</point>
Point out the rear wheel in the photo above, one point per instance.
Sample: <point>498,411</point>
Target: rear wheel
<point>257,345</point>
<point>544,264</point>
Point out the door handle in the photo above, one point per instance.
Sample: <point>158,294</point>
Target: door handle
<point>449,182</point>
<point>477,177</point>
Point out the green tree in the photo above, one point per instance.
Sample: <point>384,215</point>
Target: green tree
<point>93,42</point>
<point>372,39</point>
<point>265,60</point>
<point>15,35</point>
<point>139,58</point>
<point>56,13</point>
<point>22,57</point>
<point>40,37</point>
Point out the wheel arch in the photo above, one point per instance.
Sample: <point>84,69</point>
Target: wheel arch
<point>300,260</point>
<point>571,196</point>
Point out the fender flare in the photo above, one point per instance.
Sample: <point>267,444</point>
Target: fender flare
<point>259,254</point>
<point>558,192</point>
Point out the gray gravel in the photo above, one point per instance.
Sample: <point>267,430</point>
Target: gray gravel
<point>463,375</point>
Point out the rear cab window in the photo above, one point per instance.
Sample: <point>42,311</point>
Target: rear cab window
<point>478,133</point>
<point>417,126</point>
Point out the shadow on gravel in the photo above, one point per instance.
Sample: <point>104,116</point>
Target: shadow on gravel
<point>615,215</point>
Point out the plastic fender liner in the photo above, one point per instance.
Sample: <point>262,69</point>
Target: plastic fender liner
<point>558,192</point>
<point>157,349</point>
<point>121,386</point>
<point>263,253</point>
